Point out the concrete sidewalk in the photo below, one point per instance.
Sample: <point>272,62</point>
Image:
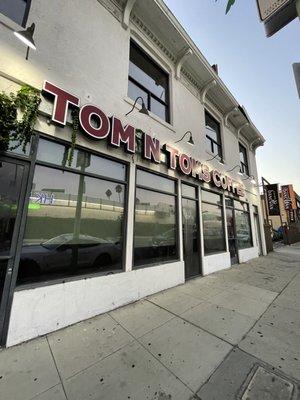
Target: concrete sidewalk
<point>231,335</point>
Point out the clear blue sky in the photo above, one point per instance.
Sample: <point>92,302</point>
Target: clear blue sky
<point>258,71</point>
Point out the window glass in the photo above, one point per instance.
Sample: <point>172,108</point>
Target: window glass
<point>154,181</point>
<point>16,148</point>
<point>243,229</point>
<point>15,10</point>
<point>243,159</point>
<point>147,73</point>
<point>211,197</point>
<point>213,135</point>
<point>240,205</point>
<point>74,226</point>
<point>56,153</point>
<point>134,92</point>
<point>148,80</point>
<point>159,109</point>
<point>155,235</point>
<point>188,191</point>
<point>228,202</point>
<point>213,228</point>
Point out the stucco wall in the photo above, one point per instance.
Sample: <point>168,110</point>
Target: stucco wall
<point>216,262</point>
<point>247,254</point>
<point>48,308</point>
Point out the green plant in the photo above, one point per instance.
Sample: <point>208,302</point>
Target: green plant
<point>230,3</point>
<point>75,129</point>
<point>14,130</point>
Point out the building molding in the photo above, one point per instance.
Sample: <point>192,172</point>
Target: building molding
<point>183,55</point>
<point>155,40</point>
<point>258,140</point>
<point>240,129</point>
<point>126,13</point>
<point>228,114</point>
<point>206,88</point>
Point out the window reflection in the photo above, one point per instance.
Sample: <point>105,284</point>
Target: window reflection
<point>213,135</point>
<point>74,226</point>
<point>155,227</point>
<point>56,153</point>
<point>243,229</point>
<point>148,80</point>
<point>213,228</point>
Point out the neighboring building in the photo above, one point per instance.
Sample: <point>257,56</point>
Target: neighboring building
<point>288,215</point>
<point>130,217</point>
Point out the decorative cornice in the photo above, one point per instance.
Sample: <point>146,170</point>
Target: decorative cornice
<point>156,41</point>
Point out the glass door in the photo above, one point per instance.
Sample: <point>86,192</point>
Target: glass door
<point>190,227</point>
<point>13,177</point>
<point>231,235</point>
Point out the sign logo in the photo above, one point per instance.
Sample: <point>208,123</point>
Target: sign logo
<point>98,126</point>
<point>273,199</point>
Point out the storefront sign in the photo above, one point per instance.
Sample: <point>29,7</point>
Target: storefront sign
<point>289,198</point>
<point>273,199</point>
<point>291,213</point>
<point>97,125</point>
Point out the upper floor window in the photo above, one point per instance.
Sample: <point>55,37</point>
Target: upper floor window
<point>243,160</point>
<point>17,10</point>
<point>213,135</point>
<point>148,80</point>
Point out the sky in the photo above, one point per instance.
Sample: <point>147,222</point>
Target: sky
<point>258,71</point>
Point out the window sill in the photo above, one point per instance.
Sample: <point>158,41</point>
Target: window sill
<point>151,115</point>
<point>9,24</point>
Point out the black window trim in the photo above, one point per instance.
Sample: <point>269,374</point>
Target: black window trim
<point>32,159</point>
<point>232,207</point>
<point>25,16</point>
<point>165,103</point>
<point>244,169</point>
<point>221,206</point>
<point>175,194</point>
<point>213,142</point>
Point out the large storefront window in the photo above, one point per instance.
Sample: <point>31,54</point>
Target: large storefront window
<point>242,223</point>
<point>155,231</point>
<point>213,223</point>
<point>75,220</point>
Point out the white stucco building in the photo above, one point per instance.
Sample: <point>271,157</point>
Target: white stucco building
<point>148,200</point>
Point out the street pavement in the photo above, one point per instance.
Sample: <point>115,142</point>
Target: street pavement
<point>231,335</point>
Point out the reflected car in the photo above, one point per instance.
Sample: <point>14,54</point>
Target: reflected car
<point>66,252</point>
<point>166,238</point>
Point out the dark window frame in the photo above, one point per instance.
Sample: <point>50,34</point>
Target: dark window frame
<point>223,221</point>
<point>34,161</point>
<point>150,95</point>
<point>25,16</point>
<point>175,194</point>
<point>244,168</point>
<point>235,210</point>
<point>212,142</point>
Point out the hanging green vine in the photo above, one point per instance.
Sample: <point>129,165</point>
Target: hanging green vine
<point>75,129</point>
<point>13,130</point>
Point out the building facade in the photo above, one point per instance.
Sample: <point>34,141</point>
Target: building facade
<point>143,202</point>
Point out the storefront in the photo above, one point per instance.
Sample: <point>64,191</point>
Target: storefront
<point>148,198</point>
<point>65,222</point>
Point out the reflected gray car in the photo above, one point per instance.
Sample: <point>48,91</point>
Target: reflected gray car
<point>66,251</point>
